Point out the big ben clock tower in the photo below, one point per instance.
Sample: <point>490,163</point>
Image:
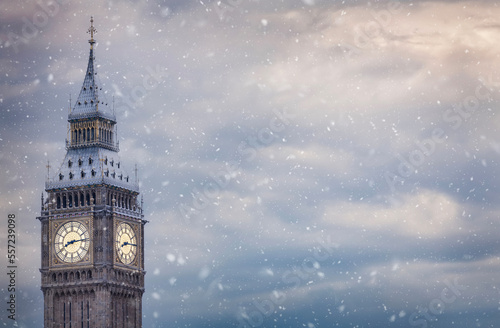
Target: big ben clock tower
<point>92,258</point>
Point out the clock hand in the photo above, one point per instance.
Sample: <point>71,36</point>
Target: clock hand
<point>73,241</point>
<point>127,243</point>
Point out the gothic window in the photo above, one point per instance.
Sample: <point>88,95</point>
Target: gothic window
<point>88,199</point>
<point>82,174</point>
<point>121,176</point>
<point>113,175</point>
<point>64,201</point>
<point>106,161</point>
<point>112,163</point>
<point>61,176</point>
<point>58,201</point>
<point>107,173</point>
<point>80,162</point>
<point>70,175</point>
<point>90,160</point>
<point>70,201</point>
<point>93,173</point>
<point>118,164</point>
<point>70,163</point>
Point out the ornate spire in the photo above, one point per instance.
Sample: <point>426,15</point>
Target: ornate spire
<point>89,104</point>
<point>92,145</point>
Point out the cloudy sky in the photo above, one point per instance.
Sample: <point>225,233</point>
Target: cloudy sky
<point>304,163</point>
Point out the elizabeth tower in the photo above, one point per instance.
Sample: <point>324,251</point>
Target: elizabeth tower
<point>92,224</point>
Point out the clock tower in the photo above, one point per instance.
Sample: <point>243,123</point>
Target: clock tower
<point>92,224</point>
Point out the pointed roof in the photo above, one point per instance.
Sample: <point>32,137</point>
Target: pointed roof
<point>92,162</point>
<point>92,166</point>
<point>89,104</point>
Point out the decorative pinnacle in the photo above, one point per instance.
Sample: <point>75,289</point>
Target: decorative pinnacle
<point>91,30</point>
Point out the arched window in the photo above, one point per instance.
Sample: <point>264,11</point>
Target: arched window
<point>70,201</point>
<point>58,201</point>
<point>64,201</point>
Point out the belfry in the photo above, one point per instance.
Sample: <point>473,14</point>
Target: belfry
<point>92,223</point>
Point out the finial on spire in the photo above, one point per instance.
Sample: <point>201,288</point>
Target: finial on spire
<point>92,30</point>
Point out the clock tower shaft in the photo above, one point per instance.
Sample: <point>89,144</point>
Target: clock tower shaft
<point>92,269</point>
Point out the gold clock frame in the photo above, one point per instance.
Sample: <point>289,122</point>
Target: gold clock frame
<point>135,263</point>
<point>55,225</point>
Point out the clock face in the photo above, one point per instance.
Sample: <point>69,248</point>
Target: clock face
<point>72,242</point>
<point>126,243</point>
